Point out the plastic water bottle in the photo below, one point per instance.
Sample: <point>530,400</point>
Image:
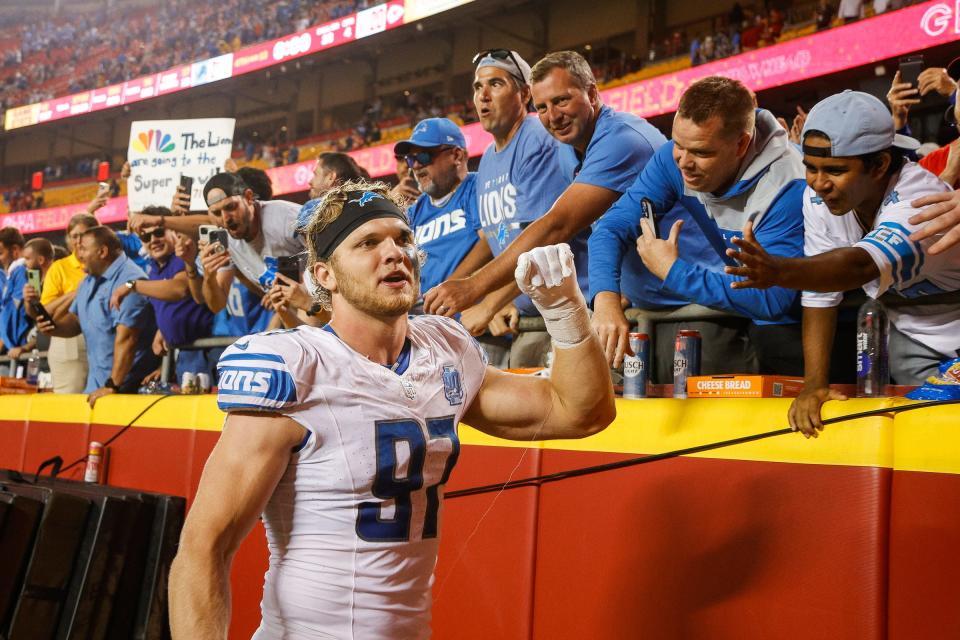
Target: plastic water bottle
<point>873,367</point>
<point>33,367</point>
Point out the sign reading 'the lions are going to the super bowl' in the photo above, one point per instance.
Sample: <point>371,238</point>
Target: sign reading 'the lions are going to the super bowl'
<point>160,151</point>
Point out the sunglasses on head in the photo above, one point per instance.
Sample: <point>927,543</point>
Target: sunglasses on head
<point>502,54</point>
<point>425,157</point>
<point>147,236</point>
<point>230,204</point>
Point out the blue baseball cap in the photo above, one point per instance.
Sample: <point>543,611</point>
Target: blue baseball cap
<point>309,208</point>
<point>856,123</point>
<point>432,132</point>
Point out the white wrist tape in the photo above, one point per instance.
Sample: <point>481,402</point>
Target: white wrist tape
<point>549,277</point>
<point>569,325</point>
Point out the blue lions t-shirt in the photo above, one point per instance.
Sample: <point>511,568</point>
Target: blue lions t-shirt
<point>520,183</point>
<point>14,323</point>
<point>446,232</point>
<point>621,146</point>
<point>243,314</point>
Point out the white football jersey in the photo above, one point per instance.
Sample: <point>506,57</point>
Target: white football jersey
<point>352,527</point>
<point>904,265</point>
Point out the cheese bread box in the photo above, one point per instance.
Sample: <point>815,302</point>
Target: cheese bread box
<point>743,386</point>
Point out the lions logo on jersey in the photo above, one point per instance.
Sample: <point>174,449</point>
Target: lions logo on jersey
<point>452,388</point>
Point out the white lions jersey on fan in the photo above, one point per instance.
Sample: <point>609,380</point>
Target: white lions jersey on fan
<point>905,267</point>
<point>353,525</point>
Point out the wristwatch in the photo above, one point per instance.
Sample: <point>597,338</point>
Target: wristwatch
<point>131,284</point>
<point>110,384</point>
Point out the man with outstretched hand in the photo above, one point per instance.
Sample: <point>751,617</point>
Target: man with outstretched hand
<point>344,436</point>
<point>856,211</point>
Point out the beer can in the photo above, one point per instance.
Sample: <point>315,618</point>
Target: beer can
<point>188,384</point>
<point>203,382</point>
<point>686,360</point>
<point>636,368</point>
<point>94,461</point>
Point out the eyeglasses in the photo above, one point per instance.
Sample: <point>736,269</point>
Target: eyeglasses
<point>147,236</point>
<point>502,54</point>
<point>425,157</point>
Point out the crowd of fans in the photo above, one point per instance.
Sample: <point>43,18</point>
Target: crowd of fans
<point>84,52</point>
<point>166,281</point>
<point>777,208</point>
<point>48,57</point>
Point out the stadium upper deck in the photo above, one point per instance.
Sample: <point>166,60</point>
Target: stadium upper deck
<point>798,56</point>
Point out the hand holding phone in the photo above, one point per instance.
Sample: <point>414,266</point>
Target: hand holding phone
<point>910,69</point>
<point>219,237</point>
<point>183,196</point>
<point>289,267</point>
<point>40,313</point>
<point>648,213</point>
<point>33,278</point>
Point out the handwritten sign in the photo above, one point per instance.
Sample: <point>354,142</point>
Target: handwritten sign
<point>160,151</point>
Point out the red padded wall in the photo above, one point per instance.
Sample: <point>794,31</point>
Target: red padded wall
<point>148,459</point>
<point>925,556</point>
<point>48,439</point>
<point>697,548</point>
<point>13,436</point>
<point>690,548</point>
<point>483,587</point>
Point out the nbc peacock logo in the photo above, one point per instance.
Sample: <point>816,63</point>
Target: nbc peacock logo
<point>154,139</point>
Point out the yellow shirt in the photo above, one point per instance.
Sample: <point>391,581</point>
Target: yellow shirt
<point>63,277</point>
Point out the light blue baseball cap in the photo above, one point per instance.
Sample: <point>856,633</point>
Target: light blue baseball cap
<point>432,132</point>
<point>856,123</point>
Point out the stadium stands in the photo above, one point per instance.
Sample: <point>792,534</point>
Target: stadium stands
<point>48,57</point>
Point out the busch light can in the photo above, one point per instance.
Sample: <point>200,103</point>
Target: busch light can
<point>636,368</point>
<point>686,360</point>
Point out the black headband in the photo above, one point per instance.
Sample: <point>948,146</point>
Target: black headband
<point>360,208</point>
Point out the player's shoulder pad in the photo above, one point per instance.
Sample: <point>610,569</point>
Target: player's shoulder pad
<point>255,374</point>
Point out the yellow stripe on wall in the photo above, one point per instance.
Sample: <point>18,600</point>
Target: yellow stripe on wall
<point>658,425</point>
<point>924,440</point>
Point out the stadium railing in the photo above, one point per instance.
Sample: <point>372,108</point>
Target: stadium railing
<point>644,320</point>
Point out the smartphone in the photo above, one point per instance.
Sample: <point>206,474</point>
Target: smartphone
<point>218,236</point>
<point>103,188</point>
<point>648,213</point>
<point>289,267</point>
<point>204,231</point>
<point>33,278</point>
<point>186,183</point>
<point>41,313</point>
<point>910,68</point>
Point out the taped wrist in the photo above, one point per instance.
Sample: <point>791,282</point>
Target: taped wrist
<point>568,324</point>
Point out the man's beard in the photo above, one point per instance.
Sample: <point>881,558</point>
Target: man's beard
<point>372,302</point>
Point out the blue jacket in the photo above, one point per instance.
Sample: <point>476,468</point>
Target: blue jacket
<point>14,324</point>
<point>768,191</point>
